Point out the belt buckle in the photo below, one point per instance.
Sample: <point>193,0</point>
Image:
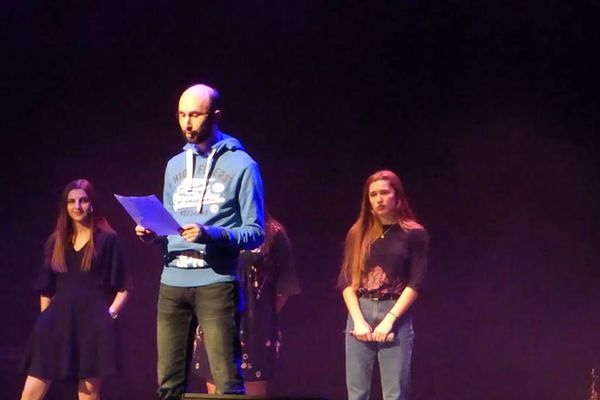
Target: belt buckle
<point>383,296</point>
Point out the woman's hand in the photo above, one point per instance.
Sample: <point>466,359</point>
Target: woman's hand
<point>362,331</point>
<point>383,329</point>
<point>118,304</point>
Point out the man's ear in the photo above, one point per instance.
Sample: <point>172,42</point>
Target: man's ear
<point>217,115</point>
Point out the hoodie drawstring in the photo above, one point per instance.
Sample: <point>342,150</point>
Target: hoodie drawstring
<point>206,173</point>
<point>189,168</point>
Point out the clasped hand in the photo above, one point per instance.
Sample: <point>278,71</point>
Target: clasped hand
<point>382,330</point>
<point>364,332</point>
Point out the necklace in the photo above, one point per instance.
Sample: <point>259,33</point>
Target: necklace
<point>386,231</point>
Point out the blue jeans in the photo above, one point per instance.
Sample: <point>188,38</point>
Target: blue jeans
<point>394,357</point>
<point>216,308</point>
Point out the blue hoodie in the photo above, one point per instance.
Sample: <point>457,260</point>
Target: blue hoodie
<point>229,208</point>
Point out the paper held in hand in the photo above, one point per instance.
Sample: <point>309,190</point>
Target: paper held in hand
<point>149,212</point>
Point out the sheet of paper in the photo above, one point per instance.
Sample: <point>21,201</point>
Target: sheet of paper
<point>149,212</point>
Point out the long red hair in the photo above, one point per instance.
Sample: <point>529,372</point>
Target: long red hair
<point>64,231</point>
<point>368,228</point>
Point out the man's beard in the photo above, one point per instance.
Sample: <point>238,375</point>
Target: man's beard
<point>195,137</point>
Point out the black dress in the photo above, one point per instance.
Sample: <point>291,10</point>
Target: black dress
<point>75,337</point>
<point>262,276</point>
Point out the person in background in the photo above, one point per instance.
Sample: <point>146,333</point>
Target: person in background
<point>382,274</point>
<point>267,278</point>
<point>83,286</point>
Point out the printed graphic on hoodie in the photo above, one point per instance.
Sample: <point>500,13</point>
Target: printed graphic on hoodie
<point>190,197</point>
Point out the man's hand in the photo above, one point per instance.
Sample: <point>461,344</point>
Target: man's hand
<point>144,234</point>
<point>191,232</point>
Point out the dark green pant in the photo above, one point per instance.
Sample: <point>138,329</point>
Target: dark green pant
<point>216,308</point>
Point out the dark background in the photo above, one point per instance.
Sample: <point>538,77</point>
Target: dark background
<point>488,111</point>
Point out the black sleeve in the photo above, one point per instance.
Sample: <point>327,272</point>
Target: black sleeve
<point>419,246</point>
<point>117,272</point>
<point>45,282</point>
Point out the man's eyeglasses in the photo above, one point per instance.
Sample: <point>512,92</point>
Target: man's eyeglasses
<point>192,115</point>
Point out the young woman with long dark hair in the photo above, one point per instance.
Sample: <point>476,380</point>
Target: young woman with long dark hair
<point>83,286</point>
<point>384,265</point>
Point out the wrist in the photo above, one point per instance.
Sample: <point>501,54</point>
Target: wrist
<point>114,313</point>
<point>202,234</point>
<point>358,319</point>
<point>394,316</point>
<point>145,238</point>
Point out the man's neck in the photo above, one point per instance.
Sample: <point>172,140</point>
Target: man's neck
<point>205,146</point>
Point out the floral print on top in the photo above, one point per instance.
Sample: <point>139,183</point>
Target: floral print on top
<point>395,261</point>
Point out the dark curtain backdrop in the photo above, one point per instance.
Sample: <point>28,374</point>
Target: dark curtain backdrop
<point>487,110</point>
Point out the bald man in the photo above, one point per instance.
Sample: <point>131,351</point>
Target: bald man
<point>214,190</point>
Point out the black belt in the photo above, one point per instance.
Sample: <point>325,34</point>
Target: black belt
<point>375,296</point>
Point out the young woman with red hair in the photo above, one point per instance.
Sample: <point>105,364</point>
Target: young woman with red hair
<point>384,265</point>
